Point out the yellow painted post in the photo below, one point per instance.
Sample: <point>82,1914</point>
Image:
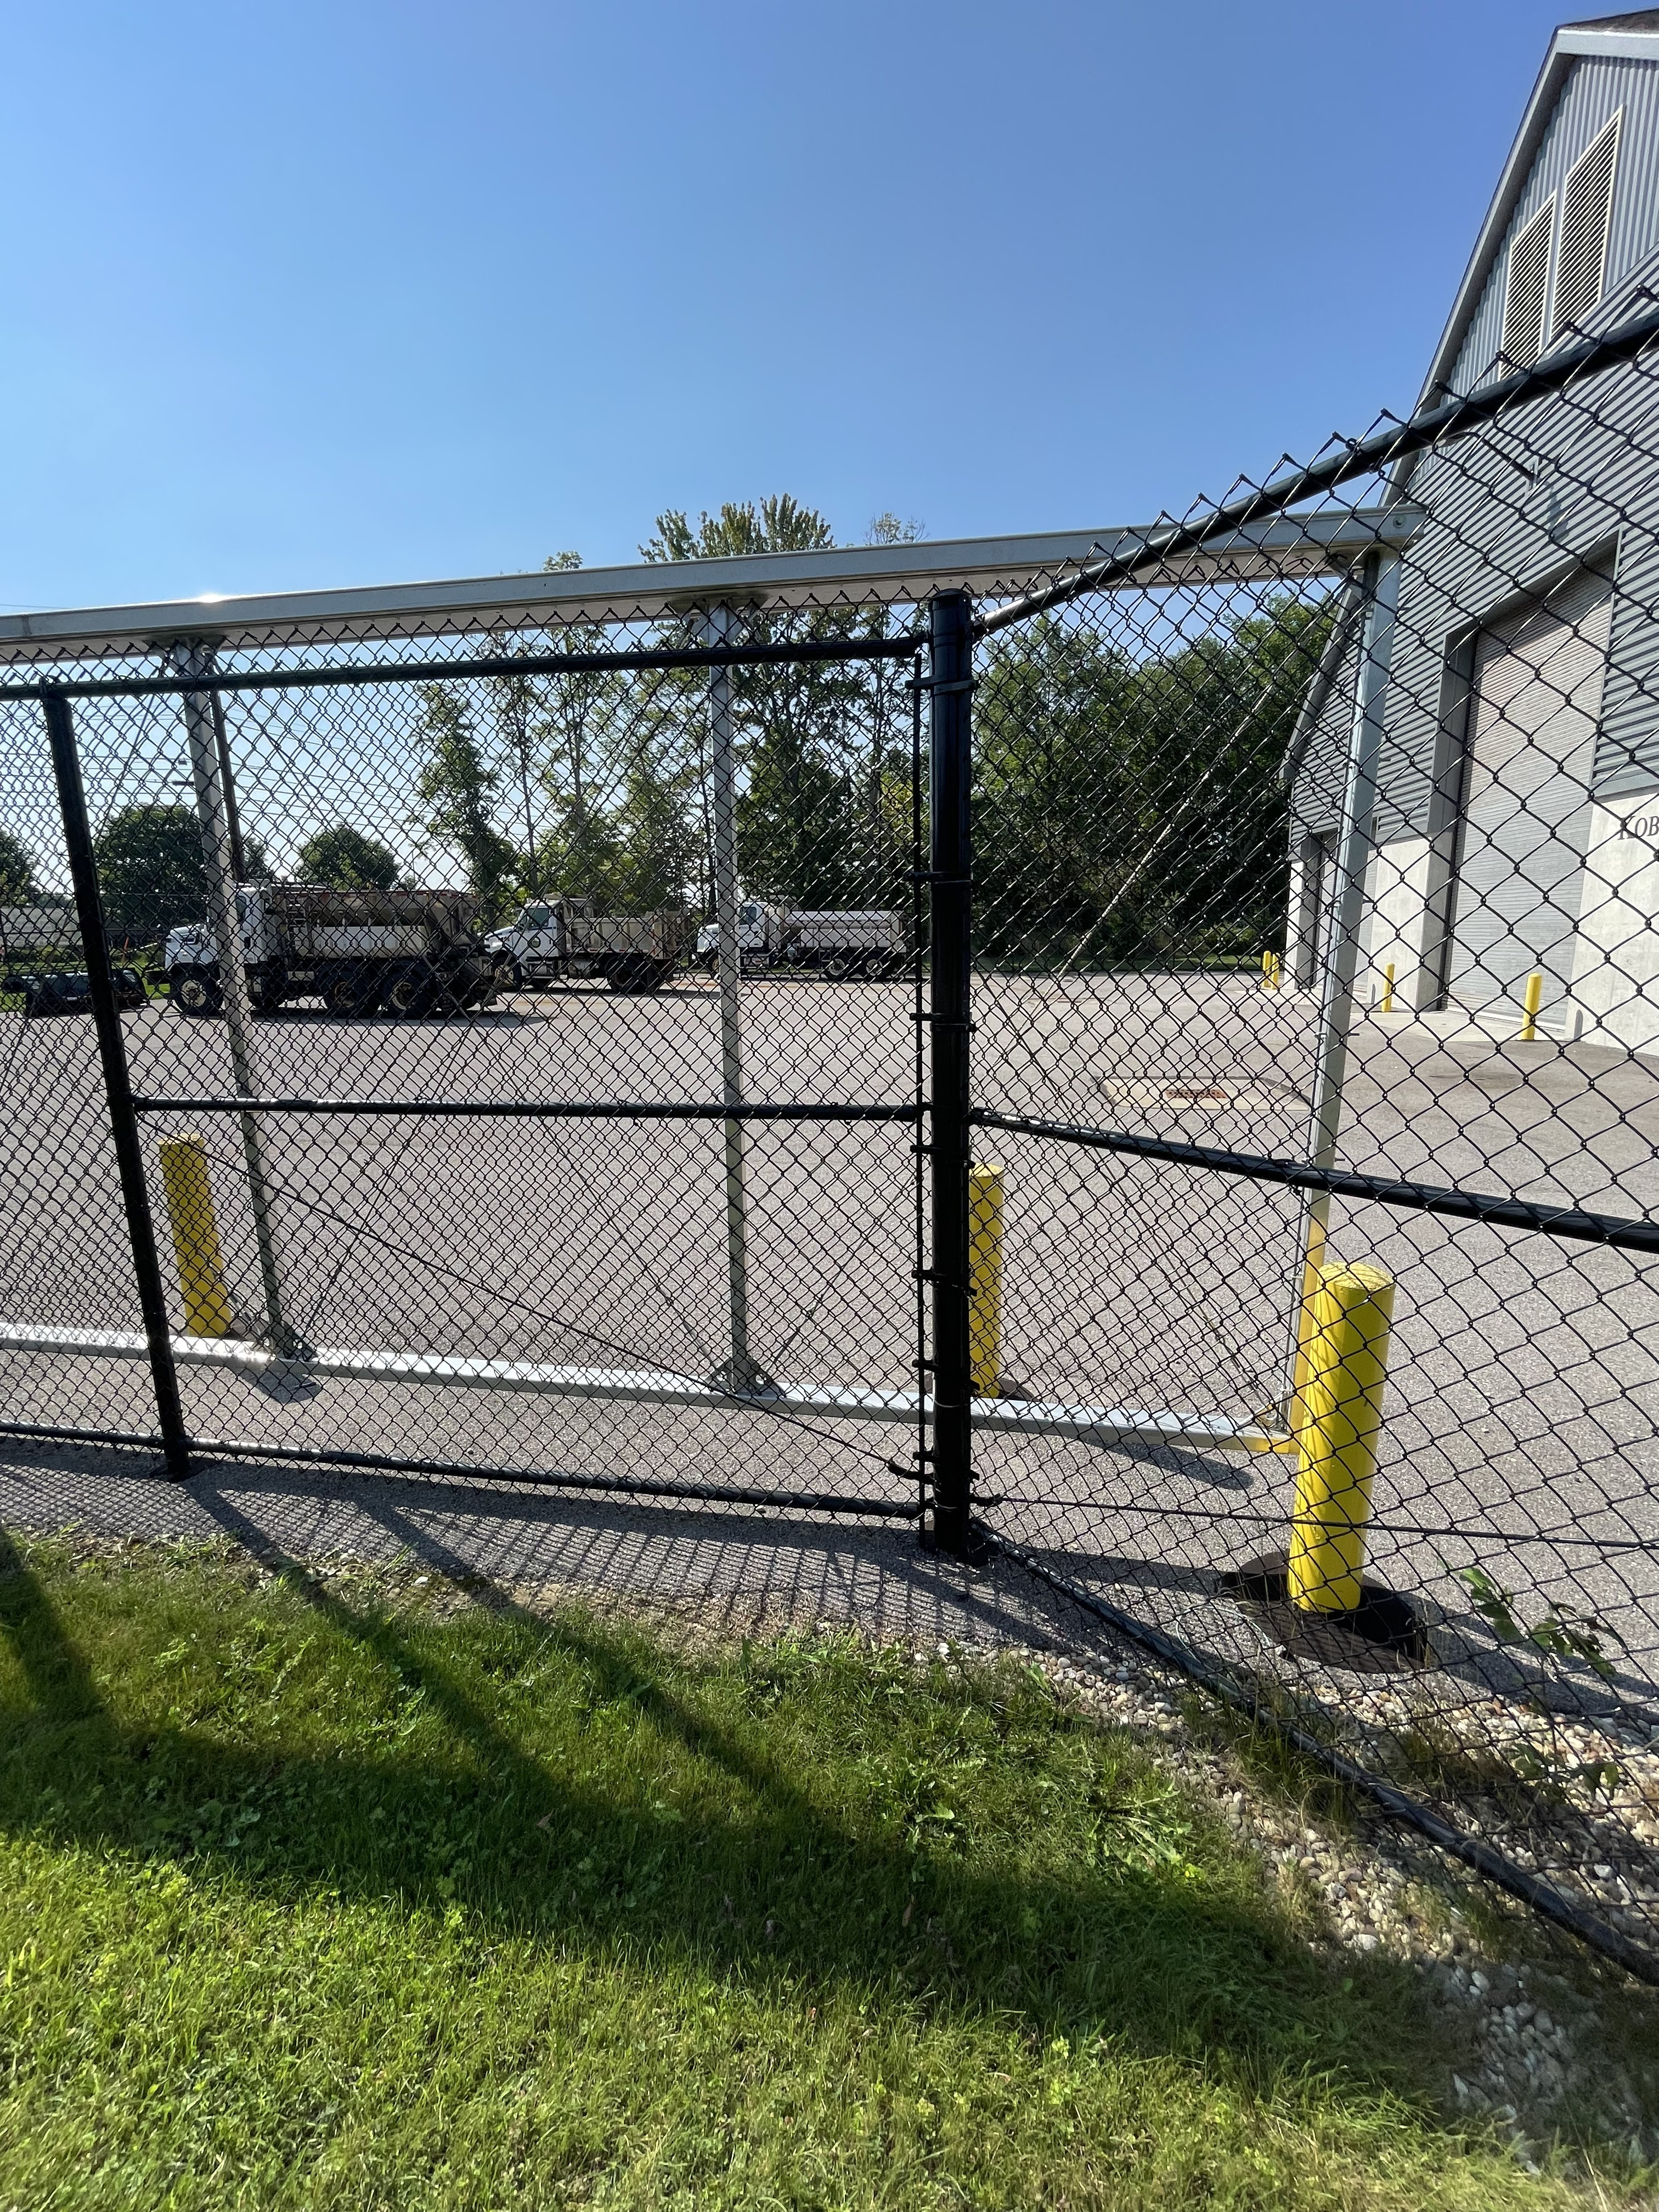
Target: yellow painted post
<point>1314,1272</point>
<point>208,1310</point>
<point>1341,1410</point>
<point>1388,988</point>
<point>1532,1000</point>
<point>1272,972</point>
<point>985,1210</point>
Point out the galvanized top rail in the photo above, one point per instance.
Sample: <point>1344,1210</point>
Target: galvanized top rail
<point>651,591</point>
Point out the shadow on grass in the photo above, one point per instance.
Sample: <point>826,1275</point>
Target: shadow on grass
<point>657,1829</point>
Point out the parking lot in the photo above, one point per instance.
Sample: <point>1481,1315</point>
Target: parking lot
<point>1521,1418</point>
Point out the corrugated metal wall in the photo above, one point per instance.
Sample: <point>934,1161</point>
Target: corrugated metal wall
<point>1595,90</point>
<point>1520,503</point>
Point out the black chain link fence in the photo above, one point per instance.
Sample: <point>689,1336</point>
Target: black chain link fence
<point>1152,1071</point>
<point>1316,1068</point>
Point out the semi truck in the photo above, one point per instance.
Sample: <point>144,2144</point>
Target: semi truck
<point>836,942</point>
<point>410,951</point>
<point>562,936</point>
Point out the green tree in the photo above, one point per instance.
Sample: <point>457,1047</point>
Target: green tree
<point>457,787</point>
<point>613,762</point>
<point>345,857</point>
<point>516,706</point>
<point>889,529</point>
<point>17,871</point>
<point>796,801</point>
<point>585,717</point>
<point>778,525</point>
<point>1127,806</point>
<point>151,871</point>
<point>879,764</point>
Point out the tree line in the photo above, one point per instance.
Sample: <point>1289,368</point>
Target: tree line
<point>1127,801</point>
<point>598,781</point>
<point>1128,805</point>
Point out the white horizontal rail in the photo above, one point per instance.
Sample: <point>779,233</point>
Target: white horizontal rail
<point>648,1386</point>
<point>1323,544</point>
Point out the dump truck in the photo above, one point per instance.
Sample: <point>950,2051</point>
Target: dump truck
<point>408,951</point>
<point>836,942</point>
<point>562,936</point>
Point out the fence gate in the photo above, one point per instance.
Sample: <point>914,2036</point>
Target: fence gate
<point>1138,1054</point>
<point>557,1114</point>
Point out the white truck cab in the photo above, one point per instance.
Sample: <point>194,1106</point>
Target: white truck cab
<point>528,949</point>
<point>760,934</point>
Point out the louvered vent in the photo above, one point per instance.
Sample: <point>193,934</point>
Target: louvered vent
<point>1586,209</point>
<point>1523,302</point>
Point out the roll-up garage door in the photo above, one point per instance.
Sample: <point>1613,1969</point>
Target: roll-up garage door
<point>1535,702</point>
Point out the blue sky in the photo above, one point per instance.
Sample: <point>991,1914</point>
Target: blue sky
<point>305,295</point>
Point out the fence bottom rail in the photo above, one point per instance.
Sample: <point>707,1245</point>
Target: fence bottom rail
<point>203,1450</point>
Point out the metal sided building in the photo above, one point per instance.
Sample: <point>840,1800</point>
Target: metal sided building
<point>1516,829</point>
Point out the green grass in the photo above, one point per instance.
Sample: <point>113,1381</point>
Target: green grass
<point>348,1894</point>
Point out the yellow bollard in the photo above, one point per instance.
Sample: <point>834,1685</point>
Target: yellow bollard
<point>1387,989</point>
<point>1314,1272</point>
<point>1532,1000</point>
<point>208,1310</point>
<point>1272,972</point>
<point>985,1277</point>
<point>1341,1413</point>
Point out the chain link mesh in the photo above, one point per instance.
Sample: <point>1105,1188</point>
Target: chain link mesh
<point>1313,914</point>
<point>531,1187</point>
<point>551,1096</point>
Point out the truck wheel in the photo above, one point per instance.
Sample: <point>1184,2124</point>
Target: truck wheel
<point>509,975</point>
<point>450,996</point>
<point>623,975</point>
<point>264,995</point>
<point>195,991</point>
<point>657,973</point>
<point>411,990</point>
<point>838,966</point>
<point>351,991</point>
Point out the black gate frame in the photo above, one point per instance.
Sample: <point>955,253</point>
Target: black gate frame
<point>945,1495</point>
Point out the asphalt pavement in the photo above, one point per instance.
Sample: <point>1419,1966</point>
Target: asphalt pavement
<point>1520,1430</point>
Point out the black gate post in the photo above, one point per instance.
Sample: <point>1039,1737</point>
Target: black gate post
<point>950,864</point>
<point>117,1088</point>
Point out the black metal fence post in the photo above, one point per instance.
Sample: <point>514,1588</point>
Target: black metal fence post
<point>951,954</point>
<point>117,1088</point>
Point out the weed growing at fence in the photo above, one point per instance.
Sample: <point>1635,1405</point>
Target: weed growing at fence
<point>348,1894</point>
